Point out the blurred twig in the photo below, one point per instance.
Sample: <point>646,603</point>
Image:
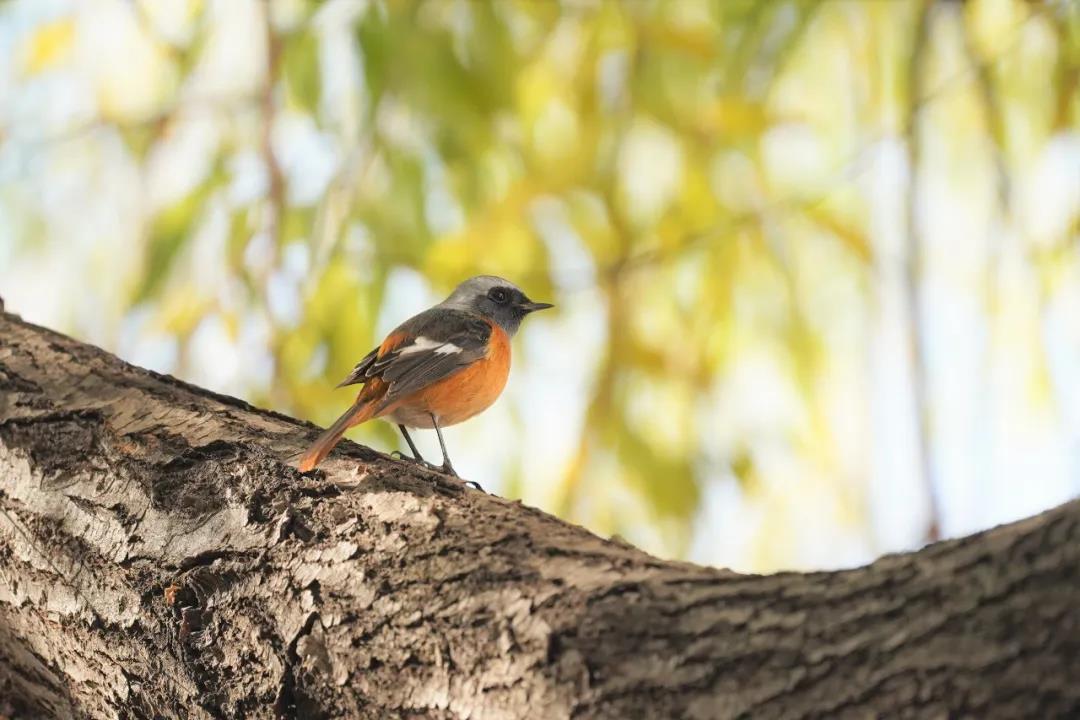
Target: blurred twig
<point>276,192</point>
<point>275,195</point>
<point>159,120</point>
<point>984,87</point>
<point>912,275</point>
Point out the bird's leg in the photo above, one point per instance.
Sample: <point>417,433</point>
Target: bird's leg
<point>446,466</point>
<point>418,458</point>
<point>412,446</point>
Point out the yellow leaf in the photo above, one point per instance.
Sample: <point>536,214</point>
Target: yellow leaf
<point>181,310</point>
<point>49,45</point>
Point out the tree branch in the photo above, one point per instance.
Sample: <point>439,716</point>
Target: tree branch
<point>161,558</point>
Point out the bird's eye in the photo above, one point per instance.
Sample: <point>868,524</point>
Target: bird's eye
<point>499,295</point>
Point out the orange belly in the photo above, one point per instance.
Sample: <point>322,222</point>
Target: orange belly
<point>463,394</point>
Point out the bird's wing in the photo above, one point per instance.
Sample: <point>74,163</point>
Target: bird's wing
<point>430,347</point>
<point>359,372</point>
<point>402,335</point>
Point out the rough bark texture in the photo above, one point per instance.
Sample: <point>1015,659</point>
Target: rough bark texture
<point>159,557</point>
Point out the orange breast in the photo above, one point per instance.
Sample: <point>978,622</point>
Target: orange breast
<point>466,393</point>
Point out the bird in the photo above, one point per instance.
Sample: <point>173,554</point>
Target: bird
<point>438,368</point>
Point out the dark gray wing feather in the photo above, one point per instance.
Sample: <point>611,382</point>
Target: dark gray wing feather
<point>407,369</point>
<point>360,373</point>
<point>408,372</point>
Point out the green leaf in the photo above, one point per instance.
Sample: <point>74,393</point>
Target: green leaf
<point>300,69</point>
<point>168,231</point>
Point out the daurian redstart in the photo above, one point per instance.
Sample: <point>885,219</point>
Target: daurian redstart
<point>437,368</point>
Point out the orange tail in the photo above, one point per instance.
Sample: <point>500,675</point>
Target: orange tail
<point>362,410</point>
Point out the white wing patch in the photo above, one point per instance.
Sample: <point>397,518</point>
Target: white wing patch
<point>423,344</point>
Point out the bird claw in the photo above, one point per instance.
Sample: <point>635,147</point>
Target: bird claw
<point>448,469</point>
<point>445,469</point>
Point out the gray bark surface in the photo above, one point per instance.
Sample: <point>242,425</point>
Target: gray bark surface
<point>159,557</point>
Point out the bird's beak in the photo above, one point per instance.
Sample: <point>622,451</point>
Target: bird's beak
<point>534,306</point>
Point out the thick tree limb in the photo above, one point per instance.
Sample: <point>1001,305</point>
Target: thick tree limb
<point>160,558</point>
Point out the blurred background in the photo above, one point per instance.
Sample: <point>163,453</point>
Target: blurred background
<point>816,262</point>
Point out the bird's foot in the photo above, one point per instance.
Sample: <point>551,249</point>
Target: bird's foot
<point>445,469</point>
<point>398,455</point>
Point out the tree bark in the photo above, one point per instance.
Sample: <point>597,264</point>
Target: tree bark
<point>160,557</point>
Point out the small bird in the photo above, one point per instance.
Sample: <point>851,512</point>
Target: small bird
<point>437,368</point>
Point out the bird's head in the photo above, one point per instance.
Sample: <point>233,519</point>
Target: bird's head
<point>495,298</point>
